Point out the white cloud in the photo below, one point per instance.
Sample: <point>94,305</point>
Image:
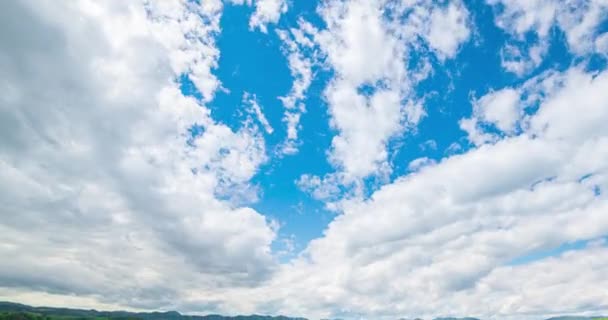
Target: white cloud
<point>439,241</point>
<point>579,20</point>
<point>577,95</point>
<point>174,28</point>
<point>366,124</point>
<point>558,280</point>
<point>428,145</point>
<point>498,108</point>
<point>448,29</point>
<point>324,189</point>
<point>95,158</point>
<point>367,44</point>
<point>419,163</point>
<point>520,62</point>
<point>601,44</point>
<point>505,109</point>
<point>255,109</point>
<point>103,181</point>
<point>302,55</point>
<point>266,11</point>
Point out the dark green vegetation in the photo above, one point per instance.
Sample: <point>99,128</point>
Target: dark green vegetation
<point>16,311</point>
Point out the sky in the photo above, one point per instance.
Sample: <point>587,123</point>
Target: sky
<point>354,159</point>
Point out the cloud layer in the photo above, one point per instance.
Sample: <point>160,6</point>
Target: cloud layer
<point>101,180</point>
<point>119,191</point>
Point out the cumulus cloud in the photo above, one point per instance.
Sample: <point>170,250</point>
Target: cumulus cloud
<point>112,176</point>
<point>500,109</point>
<point>266,12</point>
<point>101,177</point>
<point>371,100</point>
<point>448,29</point>
<point>440,241</point>
<point>579,20</point>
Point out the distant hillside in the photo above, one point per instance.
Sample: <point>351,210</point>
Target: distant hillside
<point>17,311</point>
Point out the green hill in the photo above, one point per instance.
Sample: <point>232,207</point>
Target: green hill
<point>17,311</point>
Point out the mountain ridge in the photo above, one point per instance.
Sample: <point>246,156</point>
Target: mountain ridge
<point>7,306</point>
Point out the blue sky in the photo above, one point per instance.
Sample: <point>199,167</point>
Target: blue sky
<point>252,62</point>
<point>350,159</point>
